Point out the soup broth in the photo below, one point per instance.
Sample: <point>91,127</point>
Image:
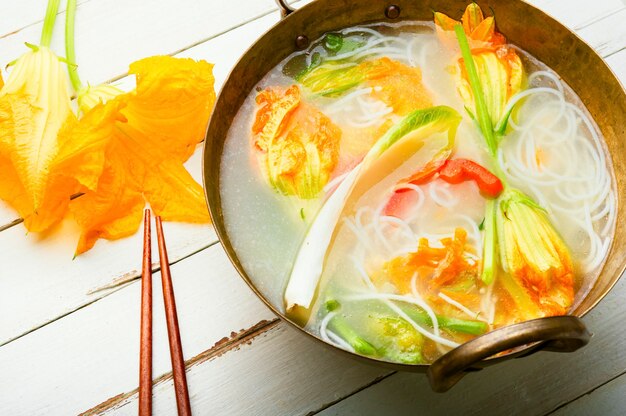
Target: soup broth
<point>432,242</point>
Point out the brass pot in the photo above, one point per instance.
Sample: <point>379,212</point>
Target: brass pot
<point>523,25</point>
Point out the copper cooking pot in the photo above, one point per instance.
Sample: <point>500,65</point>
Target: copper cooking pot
<point>523,25</point>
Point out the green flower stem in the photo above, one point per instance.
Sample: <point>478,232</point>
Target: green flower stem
<point>477,90</point>
<point>70,54</point>
<point>345,331</point>
<point>420,316</point>
<point>489,243</point>
<point>48,22</point>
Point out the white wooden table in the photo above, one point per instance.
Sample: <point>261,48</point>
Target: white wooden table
<point>69,329</point>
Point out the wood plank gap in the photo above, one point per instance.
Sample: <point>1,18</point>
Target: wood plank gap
<point>11,224</point>
<point>200,42</point>
<point>588,392</point>
<point>21,220</point>
<point>59,13</point>
<point>127,278</point>
<point>360,389</point>
<point>245,22</point>
<point>112,288</point>
<point>614,53</point>
<point>221,347</point>
<point>598,19</point>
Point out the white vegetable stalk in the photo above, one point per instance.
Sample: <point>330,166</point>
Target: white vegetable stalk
<point>310,261</point>
<point>411,131</point>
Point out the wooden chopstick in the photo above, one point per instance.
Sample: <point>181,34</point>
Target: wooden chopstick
<point>145,348</point>
<point>176,350</point>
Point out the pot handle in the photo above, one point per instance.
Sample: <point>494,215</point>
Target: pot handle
<point>285,8</point>
<point>556,333</point>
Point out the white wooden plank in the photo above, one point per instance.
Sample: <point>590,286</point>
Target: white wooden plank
<point>617,62</point>
<point>608,35</point>
<point>532,385</point>
<point>281,373</point>
<point>577,14</point>
<point>254,381</point>
<point>24,13</point>
<point>110,34</point>
<point>56,283</point>
<point>608,400</point>
<point>92,354</point>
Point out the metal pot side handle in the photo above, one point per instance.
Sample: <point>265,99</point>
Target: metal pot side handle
<point>285,8</point>
<point>558,333</point>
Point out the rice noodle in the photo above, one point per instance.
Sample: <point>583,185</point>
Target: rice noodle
<point>329,336</point>
<point>574,173</point>
<point>387,298</point>
<point>459,305</point>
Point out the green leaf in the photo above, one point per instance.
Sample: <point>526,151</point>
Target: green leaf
<point>489,244</point>
<point>332,78</point>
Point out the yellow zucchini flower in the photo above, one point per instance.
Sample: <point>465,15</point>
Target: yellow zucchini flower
<point>475,25</point>
<point>298,145</point>
<point>132,147</point>
<point>534,254</point>
<point>498,67</point>
<point>501,75</point>
<point>34,107</point>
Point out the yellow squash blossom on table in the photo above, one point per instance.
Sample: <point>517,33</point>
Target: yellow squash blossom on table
<point>34,106</point>
<point>132,148</point>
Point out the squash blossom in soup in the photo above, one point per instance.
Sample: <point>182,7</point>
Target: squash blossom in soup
<point>433,153</point>
<point>298,144</point>
<point>534,254</point>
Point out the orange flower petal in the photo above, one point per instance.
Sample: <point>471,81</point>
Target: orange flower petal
<point>485,30</point>
<point>175,195</point>
<point>398,85</point>
<point>138,142</point>
<point>299,145</point>
<point>274,107</point>
<point>472,17</point>
<point>34,106</point>
<point>444,22</point>
<point>172,102</point>
<point>82,144</point>
<point>114,210</point>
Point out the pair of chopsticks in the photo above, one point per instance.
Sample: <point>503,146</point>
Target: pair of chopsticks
<point>176,351</point>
